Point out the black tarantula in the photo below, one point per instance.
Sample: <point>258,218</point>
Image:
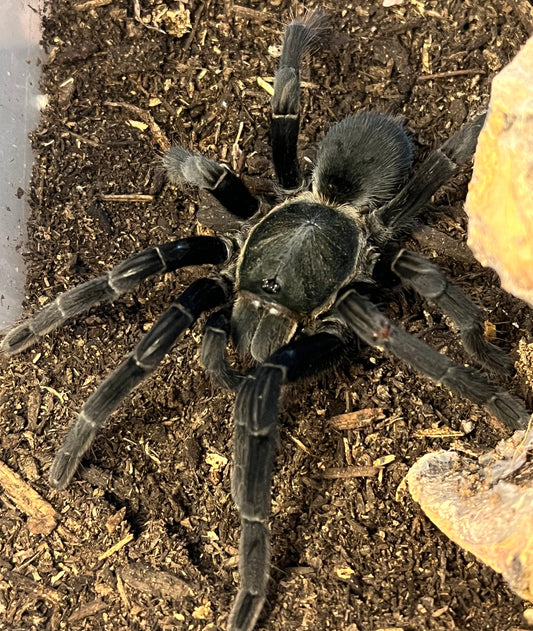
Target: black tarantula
<point>294,291</point>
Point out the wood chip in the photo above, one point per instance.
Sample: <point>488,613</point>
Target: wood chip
<point>439,432</point>
<point>157,583</point>
<point>115,520</point>
<point>42,517</point>
<point>91,4</point>
<point>267,87</point>
<point>251,14</point>
<point>351,472</point>
<point>490,330</point>
<point>357,419</point>
<point>384,460</point>
<point>138,124</point>
<point>88,610</point>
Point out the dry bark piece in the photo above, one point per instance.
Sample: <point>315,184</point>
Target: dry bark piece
<point>157,583</point>
<point>87,610</point>
<point>332,473</point>
<point>42,518</point>
<point>484,505</point>
<point>32,586</point>
<point>357,419</point>
<point>500,197</point>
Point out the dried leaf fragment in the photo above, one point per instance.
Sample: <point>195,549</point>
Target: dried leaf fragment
<point>138,125</point>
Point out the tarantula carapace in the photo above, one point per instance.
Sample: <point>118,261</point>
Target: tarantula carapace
<point>295,287</point>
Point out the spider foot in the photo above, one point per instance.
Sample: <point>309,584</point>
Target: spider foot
<point>489,356</point>
<point>245,611</point>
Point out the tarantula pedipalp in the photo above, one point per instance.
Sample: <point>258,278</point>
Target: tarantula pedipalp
<point>294,290</point>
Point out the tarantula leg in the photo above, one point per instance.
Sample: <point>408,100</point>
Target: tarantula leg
<point>429,281</point>
<point>375,329</point>
<point>122,278</point>
<point>216,178</point>
<point>202,295</point>
<point>434,171</point>
<point>255,417</point>
<point>300,37</point>
<point>213,358</point>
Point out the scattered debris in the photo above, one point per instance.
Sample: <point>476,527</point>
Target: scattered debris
<point>158,135</point>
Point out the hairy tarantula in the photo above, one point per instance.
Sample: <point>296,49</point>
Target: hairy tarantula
<point>295,289</point>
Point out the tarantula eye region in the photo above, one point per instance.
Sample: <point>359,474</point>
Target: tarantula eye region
<point>384,333</point>
<point>301,253</point>
<point>270,285</point>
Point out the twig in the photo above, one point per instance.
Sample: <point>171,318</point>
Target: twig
<point>127,197</point>
<point>450,73</point>
<point>154,128</point>
<point>92,143</point>
<point>252,14</point>
<point>91,4</point>
<point>334,473</point>
<point>115,548</point>
<point>196,21</point>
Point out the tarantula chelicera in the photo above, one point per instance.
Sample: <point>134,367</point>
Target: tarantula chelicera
<point>294,291</point>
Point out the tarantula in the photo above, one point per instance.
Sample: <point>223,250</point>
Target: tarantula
<point>295,289</point>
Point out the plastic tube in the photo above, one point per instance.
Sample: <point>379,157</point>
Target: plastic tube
<point>20,102</point>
